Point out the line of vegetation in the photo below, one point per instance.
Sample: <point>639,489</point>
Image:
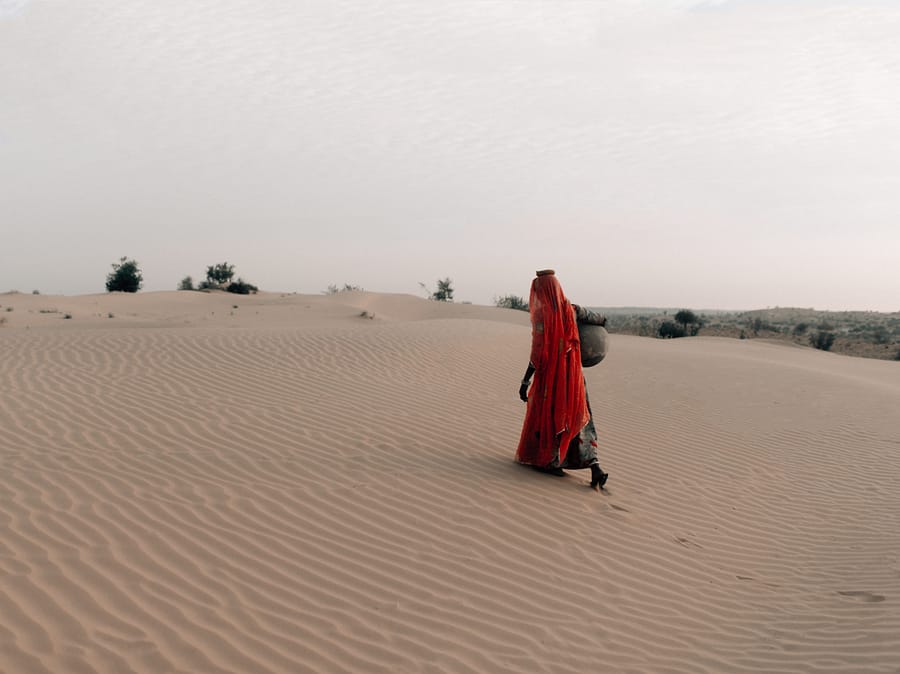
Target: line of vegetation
<point>511,302</point>
<point>858,333</point>
<point>346,288</point>
<point>126,277</point>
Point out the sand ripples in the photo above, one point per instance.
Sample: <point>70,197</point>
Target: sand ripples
<point>342,498</point>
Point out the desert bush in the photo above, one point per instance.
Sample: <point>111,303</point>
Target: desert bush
<point>801,328</point>
<point>35,292</point>
<point>444,291</point>
<point>822,340</point>
<point>219,274</point>
<point>511,302</point>
<point>347,287</point>
<point>670,330</point>
<point>187,283</point>
<point>241,287</point>
<point>125,277</point>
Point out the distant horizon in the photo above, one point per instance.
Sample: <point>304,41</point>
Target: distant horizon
<point>609,307</point>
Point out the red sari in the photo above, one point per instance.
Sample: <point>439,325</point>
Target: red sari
<point>557,402</point>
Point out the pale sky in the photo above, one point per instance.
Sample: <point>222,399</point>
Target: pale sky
<point>728,154</point>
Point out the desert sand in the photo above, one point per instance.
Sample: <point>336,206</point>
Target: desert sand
<point>201,482</point>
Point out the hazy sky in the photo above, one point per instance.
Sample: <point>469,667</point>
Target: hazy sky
<point>719,154</point>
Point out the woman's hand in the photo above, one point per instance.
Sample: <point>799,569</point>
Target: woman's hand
<point>526,380</point>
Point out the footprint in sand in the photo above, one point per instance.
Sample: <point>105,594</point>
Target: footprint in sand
<point>862,595</point>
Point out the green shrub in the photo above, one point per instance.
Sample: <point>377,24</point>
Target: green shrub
<point>822,340</point>
<point>125,277</point>
<point>241,287</point>
<point>444,292</point>
<point>334,290</point>
<point>187,283</point>
<point>670,330</point>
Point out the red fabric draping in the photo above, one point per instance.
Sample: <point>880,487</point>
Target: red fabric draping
<point>557,406</point>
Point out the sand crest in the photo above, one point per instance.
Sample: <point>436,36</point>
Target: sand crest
<point>197,482</point>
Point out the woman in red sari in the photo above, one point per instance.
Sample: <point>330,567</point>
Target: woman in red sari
<point>559,429</point>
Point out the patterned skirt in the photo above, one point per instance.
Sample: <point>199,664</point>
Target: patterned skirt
<point>582,452</point>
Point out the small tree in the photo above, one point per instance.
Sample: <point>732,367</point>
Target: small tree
<point>187,283</point>
<point>688,318</point>
<point>125,277</point>
<point>444,292</point>
<point>219,274</point>
<point>511,302</point>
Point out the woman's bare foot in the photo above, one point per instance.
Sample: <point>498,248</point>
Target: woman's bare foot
<point>598,477</point>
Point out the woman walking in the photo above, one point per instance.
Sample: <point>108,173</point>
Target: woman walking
<point>559,429</point>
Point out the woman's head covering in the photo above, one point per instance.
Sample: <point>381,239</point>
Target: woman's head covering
<point>557,396</point>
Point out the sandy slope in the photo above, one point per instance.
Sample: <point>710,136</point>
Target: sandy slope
<point>287,486</point>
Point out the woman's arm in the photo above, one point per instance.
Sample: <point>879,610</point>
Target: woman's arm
<point>583,315</point>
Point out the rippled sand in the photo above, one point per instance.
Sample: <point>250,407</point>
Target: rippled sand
<point>287,485</point>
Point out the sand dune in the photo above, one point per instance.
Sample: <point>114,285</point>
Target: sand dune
<point>275,483</point>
